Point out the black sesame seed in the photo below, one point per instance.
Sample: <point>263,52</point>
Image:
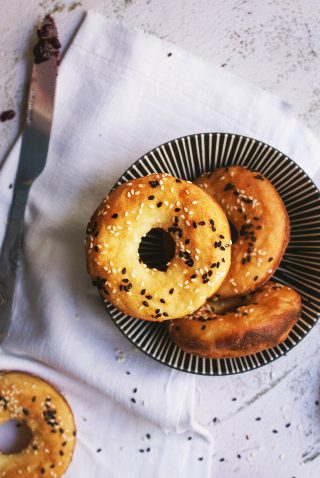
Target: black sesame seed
<point>189,438</point>
<point>141,450</point>
<point>125,280</point>
<point>159,204</point>
<point>145,303</point>
<point>203,327</point>
<point>259,176</point>
<point>177,209</point>
<point>151,198</point>
<point>64,443</point>
<point>148,449</point>
<point>143,291</point>
<point>256,218</point>
<point>221,236</point>
<point>238,456</point>
<point>96,248</point>
<point>52,466</point>
<point>157,311</point>
<point>211,222</point>
<point>194,224</point>
<point>148,436</point>
<point>193,276</point>
<point>258,419</point>
<point>34,399</point>
<point>288,425</point>
<point>200,458</point>
<point>124,270</point>
<point>243,261</point>
<point>222,248</point>
<point>234,399</point>
<point>171,291</point>
<point>223,259</point>
<point>165,314</point>
<point>25,412</point>
<point>149,297</point>
<point>218,265</point>
<point>114,216</point>
<point>154,184</point>
<point>162,301</point>
<point>221,459</point>
<point>187,241</point>
<point>135,390</point>
<point>215,420</point>
<point>202,223</point>
<point>178,181</point>
<point>270,259</point>
<point>214,229</point>
<point>229,187</point>
<point>133,400</point>
<point>61,453</point>
<point>42,471</point>
<point>275,431</point>
<point>127,372</point>
<point>256,278</point>
<point>98,450</point>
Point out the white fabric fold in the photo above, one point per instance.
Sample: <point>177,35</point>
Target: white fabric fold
<point>120,93</point>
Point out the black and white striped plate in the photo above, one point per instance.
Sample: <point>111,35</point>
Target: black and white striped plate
<point>187,158</point>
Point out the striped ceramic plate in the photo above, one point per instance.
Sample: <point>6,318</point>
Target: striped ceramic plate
<point>187,158</point>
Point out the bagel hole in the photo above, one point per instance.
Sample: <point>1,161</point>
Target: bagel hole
<point>234,232</point>
<point>156,249</point>
<point>15,436</point>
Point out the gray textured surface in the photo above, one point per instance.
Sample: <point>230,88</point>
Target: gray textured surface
<point>276,45</point>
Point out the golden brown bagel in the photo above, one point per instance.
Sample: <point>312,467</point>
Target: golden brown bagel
<point>31,400</point>
<point>259,216</point>
<point>256,322</point>
<point>202,254</point>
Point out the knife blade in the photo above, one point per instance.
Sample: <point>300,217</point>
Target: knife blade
<point>32,160</point>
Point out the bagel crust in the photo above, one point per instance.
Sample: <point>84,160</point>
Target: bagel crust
<point>202,255</point>
<point>258,321</point>
<point>29,399</point>
<point>259,216</point>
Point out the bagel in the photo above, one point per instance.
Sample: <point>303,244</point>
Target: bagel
<point>260,227</point>
<point>239,326</point>
<point>201,258</point>
<point>46,413</point>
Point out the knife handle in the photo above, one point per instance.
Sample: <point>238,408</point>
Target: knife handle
<point>10,256</point>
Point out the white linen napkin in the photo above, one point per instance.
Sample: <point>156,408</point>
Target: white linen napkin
<point>120,93</point>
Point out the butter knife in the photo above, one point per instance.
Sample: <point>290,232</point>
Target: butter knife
<point>33,155</point>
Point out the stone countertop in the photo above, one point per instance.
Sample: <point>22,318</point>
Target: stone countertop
<point>266,422</point>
